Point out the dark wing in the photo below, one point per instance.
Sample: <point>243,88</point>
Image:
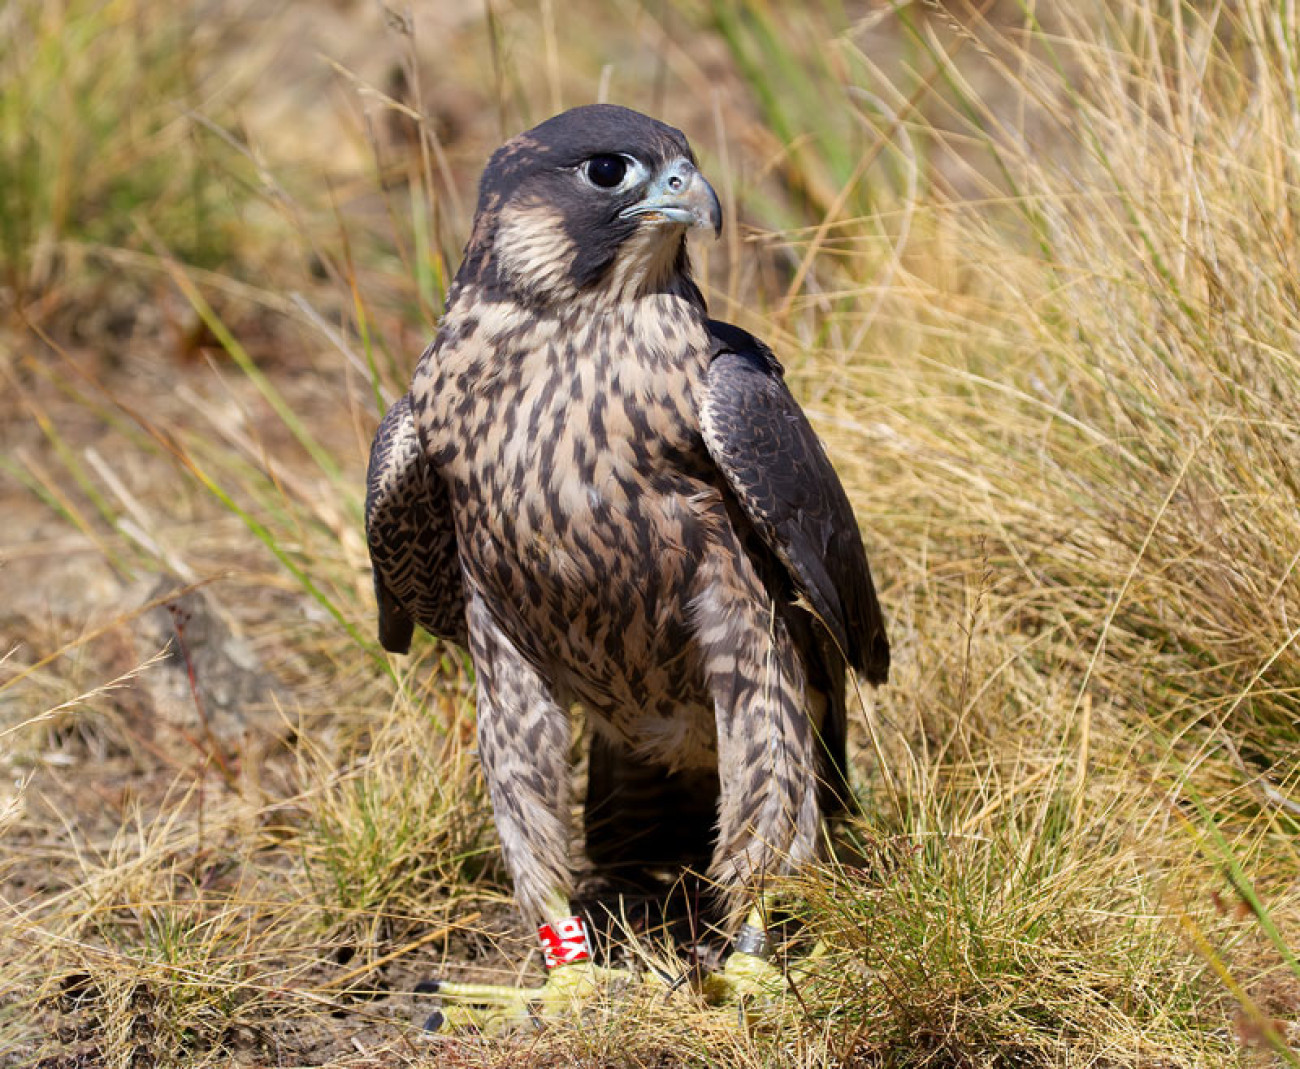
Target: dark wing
<point>411,538</point>
<point>774,463</point>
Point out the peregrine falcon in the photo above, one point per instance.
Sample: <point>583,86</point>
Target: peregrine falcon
<point>616,504</point>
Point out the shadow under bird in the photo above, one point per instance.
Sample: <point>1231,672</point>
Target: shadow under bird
<point>614,502</point>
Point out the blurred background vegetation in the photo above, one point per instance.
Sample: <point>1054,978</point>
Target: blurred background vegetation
<point>1031,269</point>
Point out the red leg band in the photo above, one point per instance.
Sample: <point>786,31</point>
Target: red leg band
<point>565,943</point>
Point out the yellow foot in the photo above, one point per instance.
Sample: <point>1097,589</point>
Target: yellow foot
<point>744,977</point>
<point>493,1008</point>
<point>753,978</point>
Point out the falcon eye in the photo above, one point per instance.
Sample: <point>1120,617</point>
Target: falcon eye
<point>606,171</point>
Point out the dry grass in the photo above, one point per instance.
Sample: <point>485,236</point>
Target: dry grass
<point>1034,283</point>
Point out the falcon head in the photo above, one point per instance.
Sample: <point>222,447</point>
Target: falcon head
<point>593,203</point>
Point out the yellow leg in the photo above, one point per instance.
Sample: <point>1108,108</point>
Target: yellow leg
<point>749,973</point>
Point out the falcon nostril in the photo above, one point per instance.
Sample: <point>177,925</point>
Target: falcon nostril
<point>675,183</point>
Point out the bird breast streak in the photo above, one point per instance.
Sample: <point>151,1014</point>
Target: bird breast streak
<point>584,511</point>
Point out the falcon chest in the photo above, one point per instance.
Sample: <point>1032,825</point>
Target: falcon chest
<point>581,486</point>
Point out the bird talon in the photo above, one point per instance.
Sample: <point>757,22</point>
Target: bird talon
<point>492,1009</point>
<point>744,977</point>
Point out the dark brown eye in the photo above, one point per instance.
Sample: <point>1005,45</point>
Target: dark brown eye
<point>606,171</point>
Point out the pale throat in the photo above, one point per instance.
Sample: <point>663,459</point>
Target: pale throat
<point>646,264</point>
<point>534,256</point>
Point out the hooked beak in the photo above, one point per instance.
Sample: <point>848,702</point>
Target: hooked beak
<point>679,194</point>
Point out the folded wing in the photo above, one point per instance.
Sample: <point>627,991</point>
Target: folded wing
<point>411,538</point>
<point>776,466</point>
